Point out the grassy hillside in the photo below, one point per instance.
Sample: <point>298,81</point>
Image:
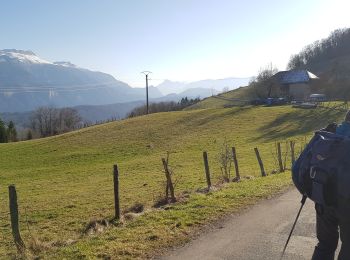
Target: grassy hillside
<point>64,182</point>
<point>241,93</point>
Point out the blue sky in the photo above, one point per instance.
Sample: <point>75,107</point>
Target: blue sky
<point>182,40</point>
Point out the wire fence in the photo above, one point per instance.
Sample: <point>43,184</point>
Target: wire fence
<point>282,155</point>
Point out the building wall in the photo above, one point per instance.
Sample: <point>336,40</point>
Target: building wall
<point>300,91</point>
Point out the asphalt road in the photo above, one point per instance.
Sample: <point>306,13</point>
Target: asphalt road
<point>257,233</point>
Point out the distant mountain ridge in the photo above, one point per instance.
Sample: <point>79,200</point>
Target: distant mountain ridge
<point>169,87</point>
<point>28,81</point>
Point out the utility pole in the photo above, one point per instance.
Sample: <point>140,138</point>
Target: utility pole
<point>147,104</point>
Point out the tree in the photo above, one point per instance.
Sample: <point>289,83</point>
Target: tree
<point>3,134</point>
<point>263,84</point>
<point>328,58</point>
<point>225,89</point>
<point>48,121</point>
<point>68,119</point>
<point>163,107</point>
<point>225,159</point>
<point>337,44</point>
<point>11,132</point>
<point>29,135</point>
<point>186,102</point>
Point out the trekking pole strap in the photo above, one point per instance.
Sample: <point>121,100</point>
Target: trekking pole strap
<point>303,200</point>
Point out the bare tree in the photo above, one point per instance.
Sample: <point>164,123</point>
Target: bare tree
<point>225,89</point>
<point>337,44</point>
<point>44,120</point>
<point>225,160</point>
<point>263,84</point>
<point>69,119</point>
<point>48,121</point>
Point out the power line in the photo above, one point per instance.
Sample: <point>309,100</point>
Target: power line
<point>56,88</point>
<point>66,86</point>
<point>157,79</point>
<point>51,90</point>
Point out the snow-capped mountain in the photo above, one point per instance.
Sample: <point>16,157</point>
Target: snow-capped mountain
<point>13,55</point>
<point>28,81</point>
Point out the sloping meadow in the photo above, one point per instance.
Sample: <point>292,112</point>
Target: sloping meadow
<point>65,183</point>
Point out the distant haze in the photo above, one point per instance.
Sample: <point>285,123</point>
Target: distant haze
<point>27,82</point>
<point>168,86</point>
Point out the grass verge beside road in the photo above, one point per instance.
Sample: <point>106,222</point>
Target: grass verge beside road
<point>155,231</point>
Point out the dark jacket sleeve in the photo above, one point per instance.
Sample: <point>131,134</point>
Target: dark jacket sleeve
<point>331,128</point>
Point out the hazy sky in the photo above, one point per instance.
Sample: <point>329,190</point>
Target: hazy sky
<point>181,40</point>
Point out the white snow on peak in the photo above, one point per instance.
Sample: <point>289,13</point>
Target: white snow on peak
<point>65,64</point>
<point>29,57</point>
<point>21,56</point>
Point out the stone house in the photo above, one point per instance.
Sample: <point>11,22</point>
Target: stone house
<point>295,84</point>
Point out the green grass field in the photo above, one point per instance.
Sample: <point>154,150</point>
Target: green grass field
<point>64,182</point>
<point>241,93</point>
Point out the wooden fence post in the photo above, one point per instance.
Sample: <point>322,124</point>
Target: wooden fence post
<point>116,192</point>
<point>263,173</point>
<point>206,166</point>
<point>292,146</point>
<point>169,181</point>
<point>279,157</point>
<point>15,219</point>
<point>235,161</point>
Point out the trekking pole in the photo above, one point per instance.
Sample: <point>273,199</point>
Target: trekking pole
<point>295,222</point>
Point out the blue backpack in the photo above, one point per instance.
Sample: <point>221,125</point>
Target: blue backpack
<point>322,171</point>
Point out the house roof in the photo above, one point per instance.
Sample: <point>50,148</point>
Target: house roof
<point>294,76</point>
